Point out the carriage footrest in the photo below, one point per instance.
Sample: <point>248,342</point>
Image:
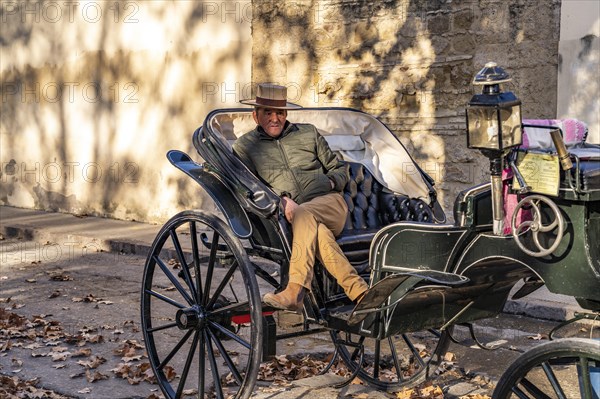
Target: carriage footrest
<point>400,283</point>
<point>341,312</point>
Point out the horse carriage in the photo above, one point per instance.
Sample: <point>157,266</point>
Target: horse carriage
<point>206,330</point>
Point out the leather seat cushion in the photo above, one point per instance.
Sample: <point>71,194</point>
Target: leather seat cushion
<point>371,207</point>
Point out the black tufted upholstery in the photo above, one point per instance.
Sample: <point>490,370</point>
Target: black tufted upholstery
<point>370,207</point>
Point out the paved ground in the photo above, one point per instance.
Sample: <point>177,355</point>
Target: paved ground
<point>69,300</point>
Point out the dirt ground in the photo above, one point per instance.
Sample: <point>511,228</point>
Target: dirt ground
<point>70,327</point>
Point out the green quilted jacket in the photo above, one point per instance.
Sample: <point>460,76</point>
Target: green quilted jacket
<point>298,163</point>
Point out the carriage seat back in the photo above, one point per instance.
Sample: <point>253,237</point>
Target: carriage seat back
<point>370,207</point>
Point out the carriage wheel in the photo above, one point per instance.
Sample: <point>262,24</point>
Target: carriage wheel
<point>555,369</point>
<point>401,360</point>
<point>201,310</point>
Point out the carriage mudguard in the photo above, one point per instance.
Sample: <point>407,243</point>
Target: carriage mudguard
<point>400,284</point>
<point>234,214</point>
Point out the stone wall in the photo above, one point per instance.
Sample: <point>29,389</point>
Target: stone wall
<point>411,63</point>
<point>94,94</point>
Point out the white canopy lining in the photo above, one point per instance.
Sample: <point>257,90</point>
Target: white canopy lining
<point>357,136</point>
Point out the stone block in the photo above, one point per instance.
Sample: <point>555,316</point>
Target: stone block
<point>463,20</point>
<point>438,23</point>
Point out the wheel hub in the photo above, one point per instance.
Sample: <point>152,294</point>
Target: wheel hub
<point>188,318</point>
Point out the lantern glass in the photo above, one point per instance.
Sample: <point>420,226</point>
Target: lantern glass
<point>510,119</point>
<point>482,127</point>
<point>494,127</point>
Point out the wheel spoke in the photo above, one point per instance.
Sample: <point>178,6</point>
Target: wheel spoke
<point>230,308</point>
<point>163,327</point>
<point>211,266</point>
<point>356,352</point>
<point>230,334</point>
<point>535,391</point>
<point>376,359</point>
<point>523,226</point>
<point>226,357</point>
<point>395,359</point>
<point>522,395</point>
<point>553,380</point>
<point>165,298</point>
<point>222,285</point>
<point>549,227</point>
<point>201,366</point>
<point>536,240</point>
<point>186,368</point>
<point>175,349</point>
<point>584,366</point>
<point>196,255</point>
<point>183,262</point>
<point>173,280</point>
<point>413,350</point>
<point>260,272</point>
<point>213,366</point>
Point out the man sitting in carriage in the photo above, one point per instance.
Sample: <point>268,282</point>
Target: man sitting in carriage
<point>296,161</point>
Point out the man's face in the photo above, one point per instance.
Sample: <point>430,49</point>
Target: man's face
<point>271,120</point>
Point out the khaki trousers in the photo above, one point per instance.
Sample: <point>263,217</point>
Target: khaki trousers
<point>315,225</point>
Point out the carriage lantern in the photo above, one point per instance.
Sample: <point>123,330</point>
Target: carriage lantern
<point>493,127</point>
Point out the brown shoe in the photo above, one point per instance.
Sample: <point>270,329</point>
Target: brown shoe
<point>360,297</point>
<point>289,299</point>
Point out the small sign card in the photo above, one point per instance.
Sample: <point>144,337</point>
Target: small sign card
<point>540,171</point>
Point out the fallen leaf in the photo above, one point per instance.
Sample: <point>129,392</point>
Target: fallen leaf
<point>537,337</point>
<point>83,352</point>
<point>94,362</point>
<point>449,357</point>
<point>93,376</point>
<point>85,390</point>
<point>60,277</point>
<point>59,356</point>
<point>405,394</point>
<point>132,358</point>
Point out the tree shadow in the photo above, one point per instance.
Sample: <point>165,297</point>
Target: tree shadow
<point>120,106</point>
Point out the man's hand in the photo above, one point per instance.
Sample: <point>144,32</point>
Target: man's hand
<point>290,206</point>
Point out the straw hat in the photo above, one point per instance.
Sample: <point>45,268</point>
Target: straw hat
<point>271,96</point>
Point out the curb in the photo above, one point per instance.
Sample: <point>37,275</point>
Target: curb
<point>107,245</point>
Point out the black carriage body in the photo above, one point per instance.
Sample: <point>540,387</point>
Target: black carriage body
<point>493,264</point>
